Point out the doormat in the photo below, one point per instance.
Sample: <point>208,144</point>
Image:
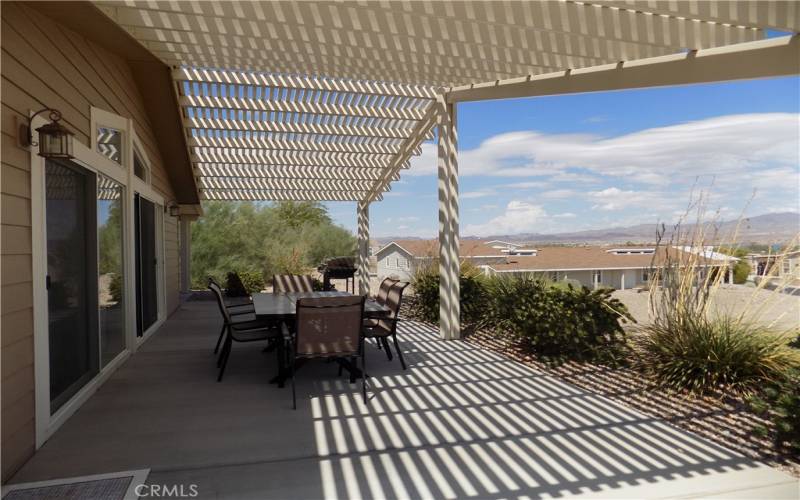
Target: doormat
<point>113,486</point>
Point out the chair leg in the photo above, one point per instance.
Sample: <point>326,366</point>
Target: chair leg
<point>385,343</point>
<point>219,340</point>
<point>294,396</point>
<point>364,373</point>
<point>226,353</point>
<point>222,351</point>
<point>399,352</point>
<point>281,360</point>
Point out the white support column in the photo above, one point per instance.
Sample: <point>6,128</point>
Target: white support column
<point>363,247</point>
<point>186,254</point>
<point>449,263</point>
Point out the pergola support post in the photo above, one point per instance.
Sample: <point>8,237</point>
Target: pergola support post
<point>186,254</point>
<point>449,263</point>
<point>363,247</point>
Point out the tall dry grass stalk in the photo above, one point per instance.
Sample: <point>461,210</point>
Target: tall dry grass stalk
<point>687,274</point>
<point>691,344</point>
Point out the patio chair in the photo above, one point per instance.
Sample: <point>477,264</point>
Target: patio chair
<point>383,328</point>
<point>292,283</point>
<point>327,327</point>
<point>380,298</point>
<point>236,307</point>
<point>242,331</point>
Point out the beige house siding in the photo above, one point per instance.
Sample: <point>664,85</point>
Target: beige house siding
<point>47,65</point>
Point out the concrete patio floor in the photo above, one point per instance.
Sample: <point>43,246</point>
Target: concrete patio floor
<point>460,422</point>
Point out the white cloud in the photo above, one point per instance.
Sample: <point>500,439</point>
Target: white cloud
<point>519,217</point>
<point>721,146</point>
<point>565,215</point>
<point>557,194</point>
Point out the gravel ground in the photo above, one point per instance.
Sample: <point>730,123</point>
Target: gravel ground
<point>762,306</point>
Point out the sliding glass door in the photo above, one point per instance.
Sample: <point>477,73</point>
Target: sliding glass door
<point>145,221</point>
<point>111,280</point>
<point>71,281</point>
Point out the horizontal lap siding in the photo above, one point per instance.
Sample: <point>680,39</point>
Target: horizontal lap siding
<point>47,65</point>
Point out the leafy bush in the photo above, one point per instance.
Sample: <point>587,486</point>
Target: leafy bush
<point>116,287</point>
<point>241,283</point>
<point>559,322</point>
<point>473,294</point>
<point>702,354</point>
<point>780,402</point>
<point>740,272</point>
<point>253,281</point>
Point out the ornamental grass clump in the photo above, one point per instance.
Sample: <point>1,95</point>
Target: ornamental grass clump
<point>690,345</point>
<point>703,355</point>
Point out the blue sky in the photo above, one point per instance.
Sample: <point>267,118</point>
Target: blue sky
<point>565,163</point>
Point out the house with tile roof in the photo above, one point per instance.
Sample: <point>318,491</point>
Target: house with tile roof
<point>593,266</point>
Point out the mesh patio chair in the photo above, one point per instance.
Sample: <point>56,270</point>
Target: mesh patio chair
<point>242,331</point>
<point>236,307</point>
<point>383,328</point>
<point>327,327</point>
<point>292,283</point>
<point>380,298</point>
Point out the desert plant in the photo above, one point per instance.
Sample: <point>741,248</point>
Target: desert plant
<point>702,354</point>
<point>780,403</point>
<point>558,323</point>
<point>426,291</point>
<point>689,345</point>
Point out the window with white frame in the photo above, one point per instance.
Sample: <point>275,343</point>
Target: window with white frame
<point>141,169</point>
<point>645,275</point>
<point>597,277</point>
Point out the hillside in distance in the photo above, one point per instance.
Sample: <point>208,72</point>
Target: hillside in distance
<point>775,228</point>
<point>769,229</point>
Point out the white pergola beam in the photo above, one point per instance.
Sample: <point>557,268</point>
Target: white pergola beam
<point>288,171</point>
<point>309,108</point>
<point>302,82</point>
<point>255,144</point>
<point>761,59</point>
<point>266,184</point>
<point>296,128</point>
<point>412,144</point>
<point>294,157</point>
<point>278,195</point>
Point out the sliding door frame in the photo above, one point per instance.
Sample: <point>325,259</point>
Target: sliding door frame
<point>88,157</point>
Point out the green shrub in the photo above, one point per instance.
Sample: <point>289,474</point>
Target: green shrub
<point>244,283</point>
<point>554,321</point>
<point>702,354</point>
<point>740,272</point>
<point>116,287</point>
<point>473,292</point>
<point>559,322</point>
<point>780,402</point>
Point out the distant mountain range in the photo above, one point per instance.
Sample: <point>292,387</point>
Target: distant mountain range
<point>776,228</point>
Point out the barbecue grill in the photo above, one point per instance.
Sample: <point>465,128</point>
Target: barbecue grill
<point>341,268</point>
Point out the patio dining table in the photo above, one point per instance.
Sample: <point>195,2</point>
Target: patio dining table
<point>282,307</point>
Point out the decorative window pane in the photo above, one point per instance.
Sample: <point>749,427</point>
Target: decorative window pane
<point>140,169</point>
<point>109,143</point>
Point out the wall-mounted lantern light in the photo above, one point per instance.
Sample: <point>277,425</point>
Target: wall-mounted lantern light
<point>173,208</point>
<point>55,141</point>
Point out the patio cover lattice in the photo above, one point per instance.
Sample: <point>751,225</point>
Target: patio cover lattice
<point>329,100</point>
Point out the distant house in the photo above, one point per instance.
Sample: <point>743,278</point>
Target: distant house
<point>593,266</point>
<point>788,264</point>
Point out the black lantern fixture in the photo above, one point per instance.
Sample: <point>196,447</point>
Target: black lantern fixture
<point>55,141</point>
